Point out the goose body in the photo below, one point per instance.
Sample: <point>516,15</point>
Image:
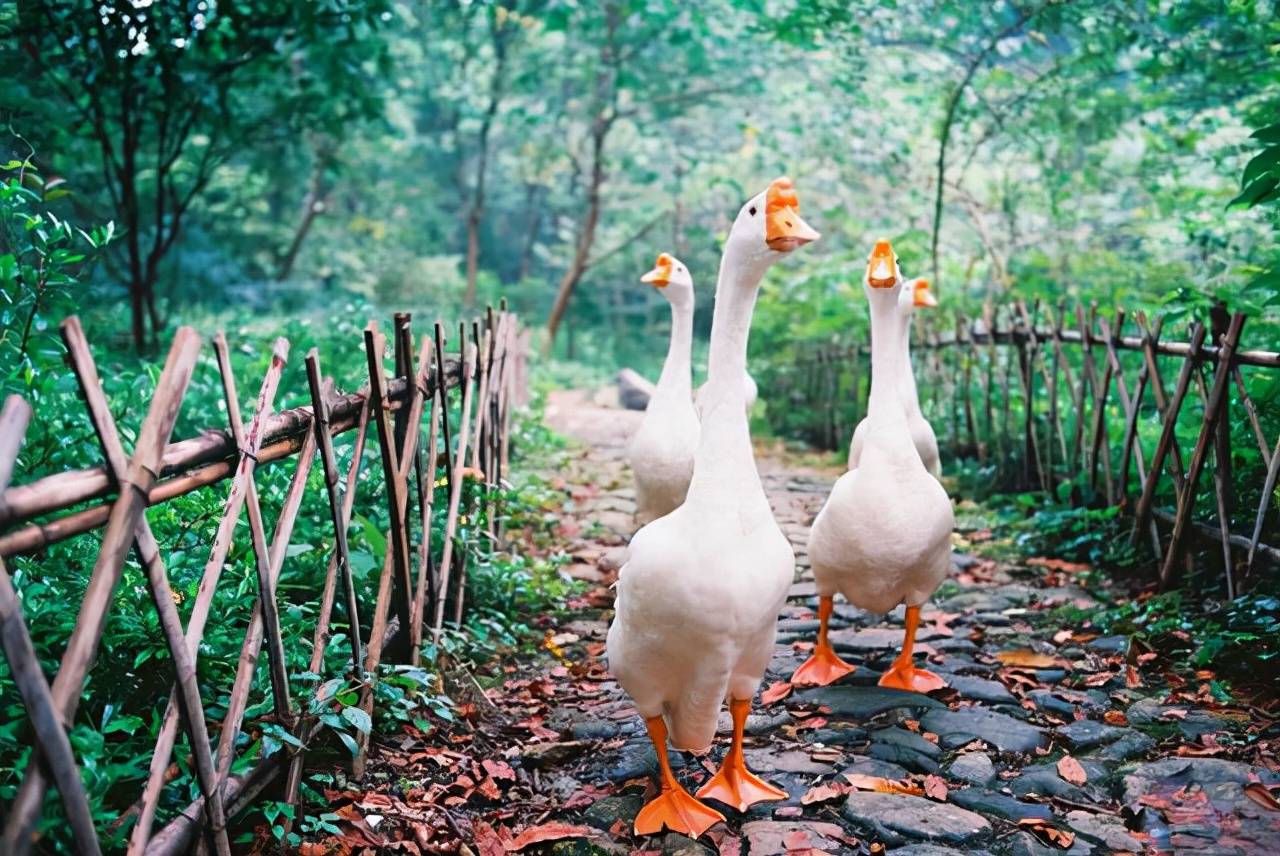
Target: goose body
<point>661,452</point>
<point>699,596</point>
<point>922,436</point>
<point>883,538</point>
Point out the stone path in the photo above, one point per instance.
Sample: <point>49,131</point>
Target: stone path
<point>977,768</point>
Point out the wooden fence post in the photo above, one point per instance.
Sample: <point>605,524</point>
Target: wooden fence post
<point>1214,409</point>
<point>82,647</point>
<point>455,489</point>
<point>24,667</point>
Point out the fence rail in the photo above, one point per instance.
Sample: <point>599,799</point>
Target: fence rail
<point>489,371</point>
<point>977,373</point>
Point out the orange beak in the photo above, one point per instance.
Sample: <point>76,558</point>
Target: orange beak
<point>783,228</point>
<point>660,276</point>
<point>922,296</point>
<point>882,266</point>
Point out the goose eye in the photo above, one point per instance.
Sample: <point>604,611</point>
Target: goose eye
<point>752,211</point>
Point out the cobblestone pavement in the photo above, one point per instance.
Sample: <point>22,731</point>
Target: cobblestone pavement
<point>1046,741</point>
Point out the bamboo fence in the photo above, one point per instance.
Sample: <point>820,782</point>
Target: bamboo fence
<point>489,373</point>
<point>1082,390</point>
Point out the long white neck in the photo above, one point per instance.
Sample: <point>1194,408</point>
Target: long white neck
<point>724,462</point>
<point>910,397</point>
<point>677,372</point>
<point>889,367</point>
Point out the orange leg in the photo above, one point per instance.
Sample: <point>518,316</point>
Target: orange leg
<point>735,785</point>
<point>823,667</point>
<point>904,675</point>
<point>673,807</point>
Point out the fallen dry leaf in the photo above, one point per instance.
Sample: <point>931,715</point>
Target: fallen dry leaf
<point>935,788</point>
<point>1048,833</point>
<point>486,840</point>
<point>824,793</point>
<point>878,783</point>
<point>1057,564</point>
<point>1115,717</point>
<point>1262,795</point>
<point>549,832</point>
<point>1071,771</point>
<point>775,692</point>
<point>1026,658</point>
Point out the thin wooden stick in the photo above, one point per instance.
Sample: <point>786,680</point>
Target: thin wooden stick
<point>461,589</point>
<point>1142,515</point>
<point>1252,410</point>
<point>1213,412</point>
<point>148,551</point>
<point>1267,487</point>
<point>455,492</point>
<point>24,667</point>
<point>1220,467</point>
<point>426,510</point>
<point>203,604</point>
<point>258,533</point>
<point>82,647</point>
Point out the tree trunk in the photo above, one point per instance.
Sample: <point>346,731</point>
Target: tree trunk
<point>312,207</point>
<point>587,235</point>
<point>531,194</point>
<point>475,213</point>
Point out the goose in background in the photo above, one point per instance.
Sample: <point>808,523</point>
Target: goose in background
<point>699,596</point>
<point>884,535</point>
<point>661,452</point>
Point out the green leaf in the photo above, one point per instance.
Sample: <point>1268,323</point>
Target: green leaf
<point>350,743</point>
<point>358,718</point>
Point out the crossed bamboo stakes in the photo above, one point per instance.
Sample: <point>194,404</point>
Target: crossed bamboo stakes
<point>410,592</point>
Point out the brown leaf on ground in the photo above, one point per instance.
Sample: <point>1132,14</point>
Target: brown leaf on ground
<point>825,793</point>
<point>878,783</point>
<point>498,769</point>
<point>553,831</point>
<point>1071,771</point>
<point>1115,717</point>
<point>486,840</point>
<point>1132,677</point>
<point>935,788</point>
<point>776,692</point>
<point>1057,564</point>
<point>1026,658</point>
<point>1048,833</point>
<point>1262,795</point>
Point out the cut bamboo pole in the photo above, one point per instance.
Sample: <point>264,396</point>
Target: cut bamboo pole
<point>455,493</point>
<point>1251,410</point>
<point>461,586</point>
<point>1213,412</point>
<point>258,533</point>
<point>1176,468</point>
<point>1168,439</point>
<point>204,602</point>
<point>426,510</point>
<point>1220,467</point>
<point>28,677</point>
<point>82,647</point>
<point>148,551</point>
<point>1267,487</point>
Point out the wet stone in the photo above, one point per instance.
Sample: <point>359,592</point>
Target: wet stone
<point>1044,782</point>
<point>766,760</point>
<point>934,850</point>
<point>901,755</point>
<point>979,601</point>
<point>1109,644</point>
<point>1087,734</point>
<point>955,646</point>
<point>838,734</point>
<point>1150,712</point>
<point>957,727</point>
<point>636,760</point>
<point>1026,844</point>
<point>875,767</point>
<point>906,739</point>
<point>986,803</point>
<point>780,837</point>
<point>860,703</point>
<point>603,813</point>
<point>596,729</point>
<point>974,768</point>
<point>898,819</point>
<point>1204,772</point>
<point>1132,745</point>
<point>1106,830</point>
<point>980,689</point>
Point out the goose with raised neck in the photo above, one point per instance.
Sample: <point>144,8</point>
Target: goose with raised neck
<point>699,596</point>
<point>913,296</point>
<point>883,538</point>
<point>661,452</point>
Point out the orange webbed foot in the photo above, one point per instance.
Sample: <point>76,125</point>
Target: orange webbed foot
<point>677,811</point>
<point>822,668</point>
<point>906,676</point>
<point>738,787</point>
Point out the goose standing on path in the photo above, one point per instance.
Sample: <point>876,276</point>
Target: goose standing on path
<point>699,596</point>
<point>913,297</point>
<point>884,536</point>
<point>661,453</point>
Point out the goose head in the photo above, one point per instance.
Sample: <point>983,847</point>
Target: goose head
<point>671,277</point>
<point>882,280</point>
<point>769,225</point>
<point>921,296</point>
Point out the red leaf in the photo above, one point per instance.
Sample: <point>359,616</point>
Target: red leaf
<point>498,769</point>
<point>823,793</point>
<point>935,788</point>
<point>549,832</point>
<point>1260,794</point>
<point>776,692</point>
<point>1071,771</point>
<point>486,840</point>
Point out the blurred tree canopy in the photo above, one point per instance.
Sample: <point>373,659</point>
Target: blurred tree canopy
<point>277,155</point>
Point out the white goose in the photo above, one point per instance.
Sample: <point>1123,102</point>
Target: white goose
<point>661,452</point>
<point>699,596</point>
<point>911,298</point>
<point>884,536</point>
